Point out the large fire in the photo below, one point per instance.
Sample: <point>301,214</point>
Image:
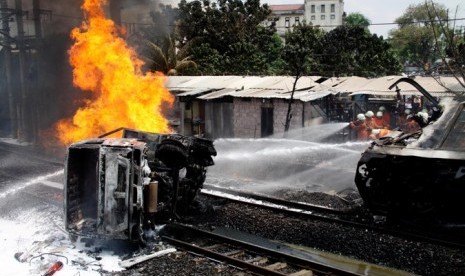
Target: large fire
<point>105,65</point>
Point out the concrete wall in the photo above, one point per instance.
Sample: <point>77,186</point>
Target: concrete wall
<point>280,113</point>
<point>219,120</point>
<point>247,117</point>
<point>242,118</point>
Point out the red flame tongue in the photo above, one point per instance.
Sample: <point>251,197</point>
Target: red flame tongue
<point>105,65</point>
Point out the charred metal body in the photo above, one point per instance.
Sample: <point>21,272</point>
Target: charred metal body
<point>116,188</point>
<point>419,174</point>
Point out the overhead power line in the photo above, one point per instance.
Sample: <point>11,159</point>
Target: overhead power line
<point>394,23</point>
<point>280,27</point>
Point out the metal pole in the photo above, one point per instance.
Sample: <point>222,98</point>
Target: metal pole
<point>24,120</point>
<point>7,52</point>
<point>37,22</point>
<point>35,81</point>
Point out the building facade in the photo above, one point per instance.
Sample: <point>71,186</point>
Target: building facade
<point>324,13</point>
<point>286,16</point>
<point>328,14</point>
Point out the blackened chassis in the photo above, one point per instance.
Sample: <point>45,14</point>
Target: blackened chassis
<point>117,188</point>
<point>421,174</point>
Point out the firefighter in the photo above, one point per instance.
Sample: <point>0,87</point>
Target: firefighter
<point>402,118</point>
<point>411,125</point>
<point>379,121</point>
<point>360,127</point>
<point>422,118</point>
<point>386,116</point>
<point>369,122</point>
<point>381,128</point>
<point>416,104</point>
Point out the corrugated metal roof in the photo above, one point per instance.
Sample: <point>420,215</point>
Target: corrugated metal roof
<point>345,84</point>
<point>194,82</point>
<point>307,88</point>
<point>194,92</point>
<point>315,95</point>
<point>218,94</point>
<point>176,81</point>
<point>251,86</point>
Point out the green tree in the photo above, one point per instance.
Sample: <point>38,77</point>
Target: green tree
<point>231,31</point>
<point>449,43</point>
<point>353,51</point>
<point>166,59</point>
<point>357,19</point>
<point>303,44</point>
<point>156,44</point>
<point>414,39</point>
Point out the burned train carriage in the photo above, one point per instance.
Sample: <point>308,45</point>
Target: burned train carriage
<point>418,174</point>
<point>117,188</point>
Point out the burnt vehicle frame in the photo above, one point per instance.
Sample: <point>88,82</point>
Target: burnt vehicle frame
<point>118,188</point>
<point>419,174</point>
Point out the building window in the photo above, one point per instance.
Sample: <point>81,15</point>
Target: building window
<point>287,22</point>
<point>323,17</point>
<point>323,9</point>
<point>313,17</point>
<point>333,8</point>
<point>333,16</point>
<point>313,8</point>
<point>297,20</point>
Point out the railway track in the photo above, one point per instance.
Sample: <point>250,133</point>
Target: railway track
<point>347,217</point>
<point>245,255</point>
<point>292,205</point>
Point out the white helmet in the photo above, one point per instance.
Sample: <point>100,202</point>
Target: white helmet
<point>382,108</point>
<point>379,114</point>
<point>375,131</point>
<point>369,114</point>
<point>407,111</point>
<point>361,117</point>
<point>424,116</point>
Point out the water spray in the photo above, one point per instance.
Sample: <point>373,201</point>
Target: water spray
<point>30,182</point>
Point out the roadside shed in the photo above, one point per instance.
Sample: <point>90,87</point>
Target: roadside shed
<point>256,106</point>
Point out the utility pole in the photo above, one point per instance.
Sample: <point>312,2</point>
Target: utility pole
<point>36,14</point>
<point>24,126</point>
<point>35,78</point>
<point>5,14</point>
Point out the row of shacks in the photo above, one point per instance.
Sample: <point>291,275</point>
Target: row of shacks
<point>255,106</point>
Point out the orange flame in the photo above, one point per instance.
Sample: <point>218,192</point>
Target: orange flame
<point>124,96</point>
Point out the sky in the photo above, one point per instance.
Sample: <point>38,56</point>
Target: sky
<point>383,11</point>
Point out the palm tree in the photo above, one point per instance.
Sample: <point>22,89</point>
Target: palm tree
<point>168,59</point>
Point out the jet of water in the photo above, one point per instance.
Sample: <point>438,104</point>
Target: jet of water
<point>299,161</point>
<point>19,186</point>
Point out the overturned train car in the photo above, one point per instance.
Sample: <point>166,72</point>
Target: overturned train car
<point>419,174</point>
<point>117,188</point>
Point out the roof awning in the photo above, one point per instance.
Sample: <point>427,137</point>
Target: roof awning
<point>311,96</point>
<point>218,94</point>
<point>195,92</point>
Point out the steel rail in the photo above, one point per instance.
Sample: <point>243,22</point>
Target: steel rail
<point>433,238</point>
<point>175,228</point>
<point>278,201</point>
